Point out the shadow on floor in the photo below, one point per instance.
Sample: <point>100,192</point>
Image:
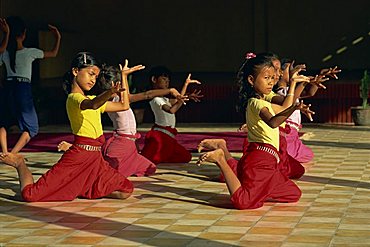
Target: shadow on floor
<point>335,181</point>
<point>94,223</point>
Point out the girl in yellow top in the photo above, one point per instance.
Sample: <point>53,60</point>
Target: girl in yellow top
<point>258,177</point>
<point>81,171</point>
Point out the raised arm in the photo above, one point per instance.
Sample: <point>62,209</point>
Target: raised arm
<point>186,84</point>
<point>124,104</point>
<point>5,28</point>
<point>54,51</point>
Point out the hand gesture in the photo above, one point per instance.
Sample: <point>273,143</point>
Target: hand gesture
<point>317,80</point>
<point>125,70</point>
<point>299,78</point>
<point>243,128</point>
<point>116,88</point>
<point>182,98</point>
<point>189,80</point>
<point>55,31</point>
<point>305,109</point>
<point>195,95</point>
<point>296,69</point>
<point>4,25</point>
<point>331,72</point>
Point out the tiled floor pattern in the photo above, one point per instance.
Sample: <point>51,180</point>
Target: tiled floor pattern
<point>182,205</point>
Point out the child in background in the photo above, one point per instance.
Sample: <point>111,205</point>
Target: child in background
<point>16,96</point>
<point>4,27</point>
<point>81,171</point>
<point>258,176</point>
<point>295,147</point>
<point>160,143</point>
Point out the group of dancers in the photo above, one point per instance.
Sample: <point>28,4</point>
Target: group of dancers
<point>91,167</point>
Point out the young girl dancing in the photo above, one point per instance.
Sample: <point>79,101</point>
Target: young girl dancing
<point>160,142</point>
<point>81,171</point>
<point>258,176</point>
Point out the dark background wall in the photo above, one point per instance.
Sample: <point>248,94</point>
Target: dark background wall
<point>208,38</point>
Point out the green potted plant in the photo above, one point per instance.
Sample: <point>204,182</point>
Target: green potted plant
<point>361,114</point>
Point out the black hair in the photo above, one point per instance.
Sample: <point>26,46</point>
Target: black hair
<point>80,61</point>
<point>17,27</point>
<point>158,71</point>
<point>107,75</point>
<point>251,66</point>
<point>285,61</point>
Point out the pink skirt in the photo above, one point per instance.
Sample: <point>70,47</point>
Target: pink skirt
<point>296,148</point>
<point>122,155</point>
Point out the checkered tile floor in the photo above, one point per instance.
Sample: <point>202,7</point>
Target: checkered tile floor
<point>183,205</point>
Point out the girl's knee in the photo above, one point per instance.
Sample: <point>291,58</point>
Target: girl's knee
<point>28,195</point>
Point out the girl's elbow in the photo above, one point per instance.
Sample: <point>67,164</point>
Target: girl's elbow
<point>273,125</point>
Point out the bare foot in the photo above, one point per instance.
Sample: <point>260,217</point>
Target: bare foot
<point>64,146</point>
<point>11,159</point>
<point>307,136</point>
<point>213,156</point>
<point>118,195</point>
<point>307,166</point>
<point>211,144</point>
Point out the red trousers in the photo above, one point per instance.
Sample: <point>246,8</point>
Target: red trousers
<point>262,180</point>
<point>78,173</point>
<point>288,166</point>
<point>160,147</point>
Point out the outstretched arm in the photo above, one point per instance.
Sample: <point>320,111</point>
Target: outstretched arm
<point>278,119</point>
<point>281,103</point>
<point>150,94</point>
<point>54,51</point>
<point>5,28</point>
<point>100,100</point>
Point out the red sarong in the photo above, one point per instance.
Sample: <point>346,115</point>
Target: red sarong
<point>78,173</point>
<point>262,180</point>
<point>162,147</point>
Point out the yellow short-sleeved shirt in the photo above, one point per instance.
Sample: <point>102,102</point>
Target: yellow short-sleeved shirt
<point>85,123</point>
<point>258,130</point>
<point>268,98</point>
